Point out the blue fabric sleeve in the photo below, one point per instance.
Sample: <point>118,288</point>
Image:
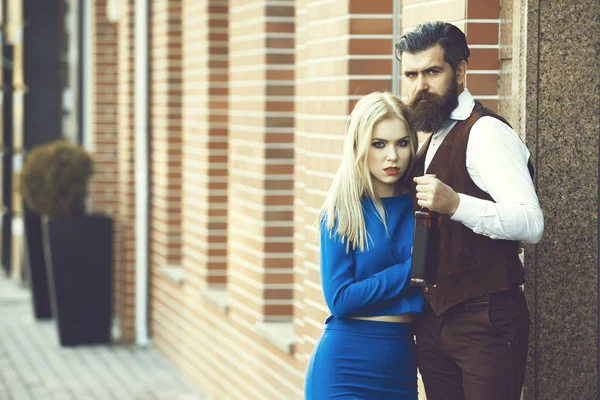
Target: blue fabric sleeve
<point>345,296</point>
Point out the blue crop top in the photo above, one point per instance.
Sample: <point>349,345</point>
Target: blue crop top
<point>377,281</point>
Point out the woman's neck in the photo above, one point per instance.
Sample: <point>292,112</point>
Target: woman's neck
<point>398,191</point>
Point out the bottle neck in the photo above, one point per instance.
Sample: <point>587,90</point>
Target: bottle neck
<point>429,212</point>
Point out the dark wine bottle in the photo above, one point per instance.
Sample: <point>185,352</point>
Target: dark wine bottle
<point>426,246</point>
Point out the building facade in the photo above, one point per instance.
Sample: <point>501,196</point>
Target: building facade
<point>217,126</point>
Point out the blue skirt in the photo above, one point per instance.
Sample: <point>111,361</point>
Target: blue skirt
<point>359,359</point>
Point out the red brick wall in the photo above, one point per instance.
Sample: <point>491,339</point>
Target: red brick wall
<point>165,169</point>
<point>482,28</point>
<point>104,185</point>
<point>166,142</point>
<point>204,197</point>
<point>261,119</point>
<point>222,350</point>
<point>344,51</point>
<point>104,94</point>
<point>204,228</point>
<point>126,211</point>
<point>165,172</point>
<point>248,107</point>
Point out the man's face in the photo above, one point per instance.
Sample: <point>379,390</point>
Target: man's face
<point>432,87</point>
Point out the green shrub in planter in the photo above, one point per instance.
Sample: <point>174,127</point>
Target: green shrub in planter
<point>77,247</point>
<point>55,177</point>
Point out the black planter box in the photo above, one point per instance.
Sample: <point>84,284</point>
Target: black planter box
<point>36,265</point>
<point>79,258</point>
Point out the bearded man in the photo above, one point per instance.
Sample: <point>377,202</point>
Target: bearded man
<point>472,336</point>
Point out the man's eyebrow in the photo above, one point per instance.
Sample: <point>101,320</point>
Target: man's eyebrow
<point>429,68</point>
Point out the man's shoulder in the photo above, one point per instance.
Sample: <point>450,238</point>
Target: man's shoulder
<point>495,135</point>
<point>481,111</point>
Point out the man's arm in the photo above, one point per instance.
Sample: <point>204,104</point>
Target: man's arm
<point>497,163</point>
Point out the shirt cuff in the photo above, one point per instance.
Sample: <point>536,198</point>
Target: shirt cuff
<point>468,210</point>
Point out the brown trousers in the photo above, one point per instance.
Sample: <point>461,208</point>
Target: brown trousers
<point>477,350</point>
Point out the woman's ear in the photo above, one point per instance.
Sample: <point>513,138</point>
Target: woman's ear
<point>461,73</point>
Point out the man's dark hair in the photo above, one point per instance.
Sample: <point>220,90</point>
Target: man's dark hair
<point>428,34</point>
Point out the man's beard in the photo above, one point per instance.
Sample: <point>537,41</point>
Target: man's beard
<point>431,115</point>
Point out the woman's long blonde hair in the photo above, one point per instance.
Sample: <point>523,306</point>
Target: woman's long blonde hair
<point>342,209</point>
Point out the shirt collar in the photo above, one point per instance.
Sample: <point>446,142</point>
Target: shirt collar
<point>466,103</point>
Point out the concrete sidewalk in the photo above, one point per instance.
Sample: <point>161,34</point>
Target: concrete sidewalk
<point>34,366</point>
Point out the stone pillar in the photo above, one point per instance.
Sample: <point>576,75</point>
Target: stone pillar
<point>558,89</point>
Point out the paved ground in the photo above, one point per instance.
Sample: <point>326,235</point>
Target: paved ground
<point>33,366</point>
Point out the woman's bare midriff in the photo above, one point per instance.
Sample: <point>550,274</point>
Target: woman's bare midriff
<point>408,317</point>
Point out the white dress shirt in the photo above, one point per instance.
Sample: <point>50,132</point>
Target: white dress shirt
<point>497,164</point>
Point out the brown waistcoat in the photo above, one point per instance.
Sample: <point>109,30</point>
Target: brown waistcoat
<point>469,265</point>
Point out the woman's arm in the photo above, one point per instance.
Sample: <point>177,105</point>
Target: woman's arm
<point>344,295</point>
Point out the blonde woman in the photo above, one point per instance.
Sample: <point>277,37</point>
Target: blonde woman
<point>366,228</point>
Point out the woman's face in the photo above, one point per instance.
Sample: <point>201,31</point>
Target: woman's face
<point>389,155</point>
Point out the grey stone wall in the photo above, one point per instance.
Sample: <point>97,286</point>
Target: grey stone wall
<point>555,104</point>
